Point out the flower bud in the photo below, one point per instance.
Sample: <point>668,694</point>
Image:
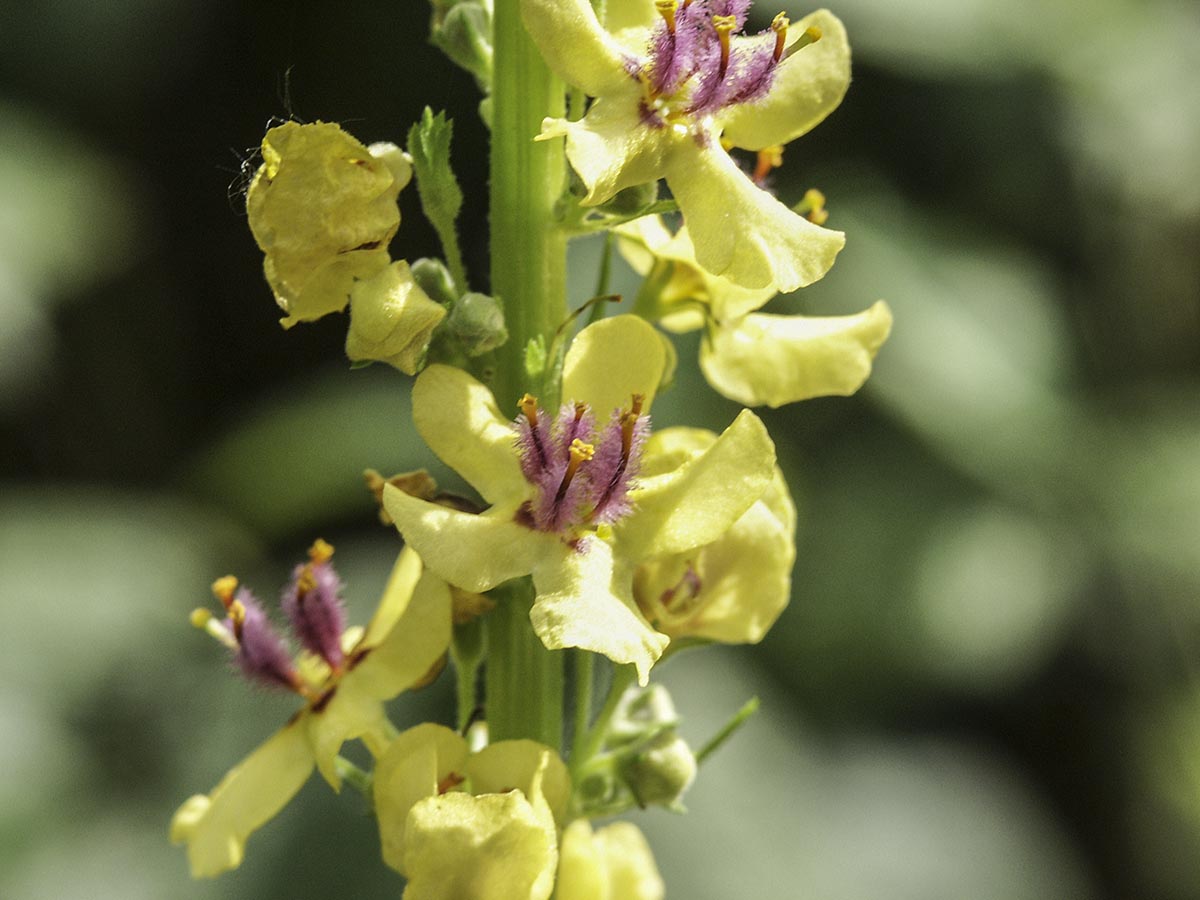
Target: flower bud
<point>435,280</point>
<point>632,200</point>
<point>477,323</point>
<point>659,774</point>
<point>464,33</point>
<point>391,319</point>
<point>642,711</point>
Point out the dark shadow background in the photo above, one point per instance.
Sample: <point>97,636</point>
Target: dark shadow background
<point>986,686</point>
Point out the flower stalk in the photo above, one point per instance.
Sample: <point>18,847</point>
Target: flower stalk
<point>529,274</point>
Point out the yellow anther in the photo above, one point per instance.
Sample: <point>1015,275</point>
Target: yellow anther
<point>812,207</point>
<point>628,420</point>
<point>769,158</point>
<point>811,35</point>
<point>223,589</point>
<point>724,26</point>
<point>779,25</point>
<point>204,620</point>
<point>666,9</point>
<point>237,615</point>
<point>320,552</point>
<point>581,451</point>
<point>306,581</point>
<point>528,404</point>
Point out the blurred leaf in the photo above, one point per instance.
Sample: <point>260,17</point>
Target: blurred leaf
<point>66,222</point>
<point>98,575</point>
<point>979,354</point>
<point>860,820</point>
<point>296,460</point>
<point>994,590</point>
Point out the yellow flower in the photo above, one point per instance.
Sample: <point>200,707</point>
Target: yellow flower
<point>751,357</point>
<point>472,826</point>
<point>614,863</point>
<point>733,589</point>
<point>672,84</point>
<point>408,634</point>
<point>565,505</point>
<point>322,208</point>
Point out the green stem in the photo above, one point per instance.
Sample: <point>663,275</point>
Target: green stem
<point>593,738</point>
<point>739,719</point>
<point>584,674</point>
<point>524,680</point>
<point>352,775</point>
<point>529,248</point>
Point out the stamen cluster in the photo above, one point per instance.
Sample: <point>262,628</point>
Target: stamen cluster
<point>313,605</point>
<point>582,475</point>
<point>694,66</point>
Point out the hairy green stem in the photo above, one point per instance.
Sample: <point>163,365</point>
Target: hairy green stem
<point>584,674</point>
<point>524,680</point>
<point>593,738</point>
<point>529,248</point>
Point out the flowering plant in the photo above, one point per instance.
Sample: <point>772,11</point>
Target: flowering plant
<point>593,535</point>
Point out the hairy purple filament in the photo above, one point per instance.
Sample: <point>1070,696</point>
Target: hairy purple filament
<point>581,477</point>
<point>261,654</point>
<point>313,605</point>
<point>698,61</point>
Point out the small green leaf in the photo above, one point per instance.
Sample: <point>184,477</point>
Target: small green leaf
<point>441,197</point>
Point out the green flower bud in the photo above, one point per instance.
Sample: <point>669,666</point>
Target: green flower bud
<point>464,33</point>
<point>660,773</point>
<point>477,323</point>
<point>632,200</point>
<point>435,280</point>
<point>642,712</point>
<point>391,319</point>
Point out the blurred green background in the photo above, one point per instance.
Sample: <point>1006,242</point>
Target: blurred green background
<point>987,683</point>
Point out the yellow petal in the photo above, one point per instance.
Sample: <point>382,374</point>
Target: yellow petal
<point>611,148</point>
<point>781,359</point>
<point>215,827</point>
<point>459,420</point>
<point>695,504</point>
<point>585,599</point>
<point>348,713</point>
<point>614,863</point>
<point>733,589</point>
<point>397,594</point>
<point>611,360</point>
<point>493,847</point>
<point>420,636</point>
<point>739,230</point>
<point>574,44</point>
<point>807,88</point>
<point>473,552</point>
<point>506,765</point>
<point>411,769</point>
<point>391,319</point>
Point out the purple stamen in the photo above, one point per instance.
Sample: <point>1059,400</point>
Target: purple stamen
<point>313,604</point>
<point>262,654</point>
<point>577,483</point>
<point>533,438</point>
<point>616,465</point>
